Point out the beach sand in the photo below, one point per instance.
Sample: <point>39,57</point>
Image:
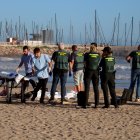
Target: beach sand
<point>33,121</point>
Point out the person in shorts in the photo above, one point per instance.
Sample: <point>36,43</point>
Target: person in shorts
<point>77,66</point>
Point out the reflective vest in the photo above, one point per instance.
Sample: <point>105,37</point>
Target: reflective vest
<point>136,60</point>
<point>109,64</point>
<point>78,61</point>
<point>62,60</point>
<point>92,61</point>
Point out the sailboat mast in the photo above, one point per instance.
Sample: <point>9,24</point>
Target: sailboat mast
<point>118,29</point>
<point>114,28</point>
<point>85,34</point>
<point>125,34</point>
<point>95,27</point>
<point>19,29</point>
<point>132,33</point>
<point>56,30</point>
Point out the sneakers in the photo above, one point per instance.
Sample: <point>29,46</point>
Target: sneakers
<point>137,100</point>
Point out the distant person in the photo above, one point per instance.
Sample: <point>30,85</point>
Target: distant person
<point>41,63</point>
<point>26,60</point>
<point>77,65</point>
<point>135,73</point>
<point>61,60</point>
<point>107,76</point>
<point>92,59</point>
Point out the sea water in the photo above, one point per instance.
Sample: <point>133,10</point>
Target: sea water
<point>123,70</point>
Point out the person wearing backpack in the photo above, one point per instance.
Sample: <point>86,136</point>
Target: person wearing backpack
<point>107,75</point>
<point>135,73</point>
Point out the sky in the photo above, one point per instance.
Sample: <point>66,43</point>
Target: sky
<point>78,13</point>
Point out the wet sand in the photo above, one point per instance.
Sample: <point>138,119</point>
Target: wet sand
<point>33,121</point>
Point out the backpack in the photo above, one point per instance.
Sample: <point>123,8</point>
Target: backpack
<point>121,100</point>
<point>81,98</point>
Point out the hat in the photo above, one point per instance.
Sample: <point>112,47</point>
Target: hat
<point>107,49</point>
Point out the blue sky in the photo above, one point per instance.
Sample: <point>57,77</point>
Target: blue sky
<point>78,12</point>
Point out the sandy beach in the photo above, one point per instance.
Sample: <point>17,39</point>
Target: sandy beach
<point>33,121</point>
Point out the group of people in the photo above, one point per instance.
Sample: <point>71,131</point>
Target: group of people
<point>86,67</point>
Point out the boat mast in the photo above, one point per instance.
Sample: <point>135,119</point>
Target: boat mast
<point>132,33</point>
<point>118,29</point>
<point>19,29</point>
<point>138,35</point>
<point>56,30</point>
<point>114,28</point>
<point>125,34</point>
<point>95,27</point>
<point>85,34</point>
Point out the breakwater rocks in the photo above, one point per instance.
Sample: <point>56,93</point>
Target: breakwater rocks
<point>15,51</point>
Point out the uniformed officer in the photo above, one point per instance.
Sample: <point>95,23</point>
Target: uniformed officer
<point>92,59</point>
<point>61,59</point>
<point>135,72</point>
<point>77,65</point>
<point>107,76</point>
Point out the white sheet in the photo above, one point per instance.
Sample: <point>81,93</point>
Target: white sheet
<point>69,95</point>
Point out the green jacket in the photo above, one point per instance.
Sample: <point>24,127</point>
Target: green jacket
<point>92,60</point>
<point>107,64</point>
<point>136,60</point>
<point>61,59</point>
<point>78,58</point>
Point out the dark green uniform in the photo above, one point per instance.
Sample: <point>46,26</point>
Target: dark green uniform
<point>92,74</point>
<point>78,58</point>
<point>61,66</point>
<point>135,74</point>
<point>136,59</point>
<point>108,79</point>
<point>61,59</point>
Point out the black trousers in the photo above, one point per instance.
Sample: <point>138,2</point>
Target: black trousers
<point>26,83</point>
<point>108,81</point>
<point>92,75</point>
<point>41,85</point>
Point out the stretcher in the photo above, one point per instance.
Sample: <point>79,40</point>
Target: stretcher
<point>10,79</point>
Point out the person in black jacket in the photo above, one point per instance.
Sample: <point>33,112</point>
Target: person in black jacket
<point>135,73</point>
<point>107,76</point>
<point>92,59</point>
